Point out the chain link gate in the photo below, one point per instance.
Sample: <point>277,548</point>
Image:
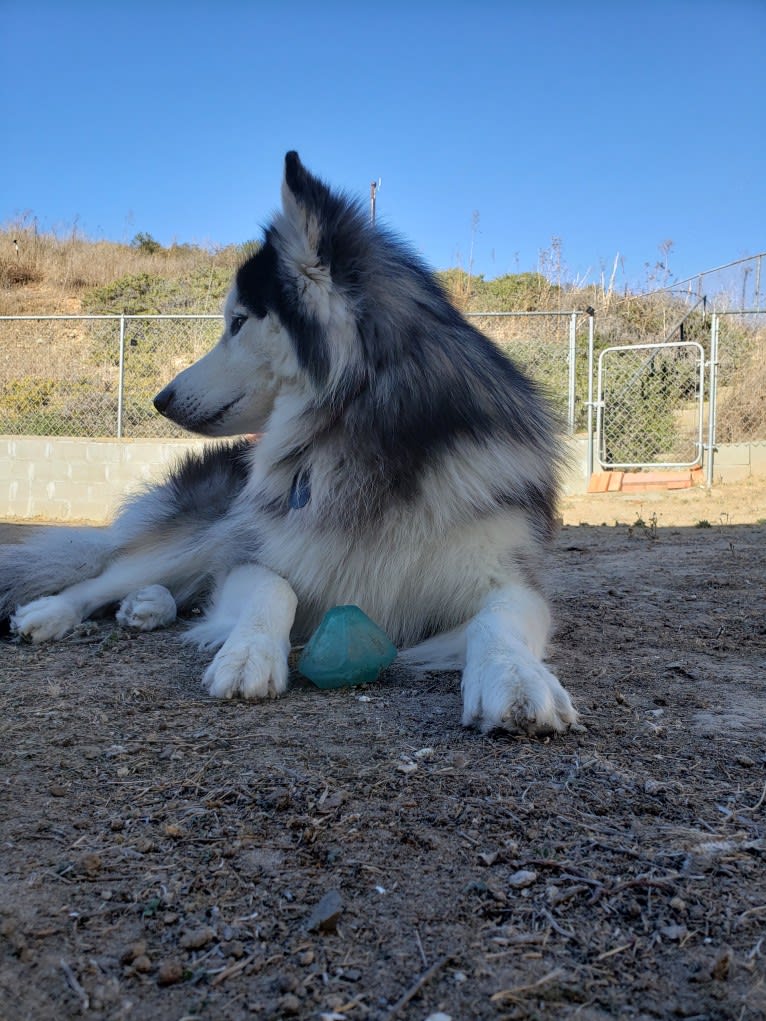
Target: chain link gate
<point>650,406</point>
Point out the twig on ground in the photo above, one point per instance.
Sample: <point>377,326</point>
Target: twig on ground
<point>415,988</point>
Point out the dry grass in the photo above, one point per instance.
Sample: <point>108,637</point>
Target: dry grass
<point>48,274</point>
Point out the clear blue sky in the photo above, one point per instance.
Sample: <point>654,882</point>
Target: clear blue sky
<point>614,126</point>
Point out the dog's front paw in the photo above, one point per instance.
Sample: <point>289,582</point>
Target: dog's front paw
<point>46,619</point>
<point>510,689</point>
<point>147,609</point>
<point>253,666</point>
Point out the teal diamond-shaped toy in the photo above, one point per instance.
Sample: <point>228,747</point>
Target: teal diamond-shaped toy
<point>347,648</point>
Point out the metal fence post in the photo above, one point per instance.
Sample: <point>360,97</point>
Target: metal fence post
<point>121,377</point>
<point>572,373</point>
<point>713,399</point>
<point>591,341</point>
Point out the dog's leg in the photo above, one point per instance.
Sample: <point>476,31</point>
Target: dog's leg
<point>505,684</point>
<point>151,607</point>
<point>51,617</point>
<point>251,614</point>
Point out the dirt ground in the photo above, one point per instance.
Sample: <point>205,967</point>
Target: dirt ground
<point>358,855</point>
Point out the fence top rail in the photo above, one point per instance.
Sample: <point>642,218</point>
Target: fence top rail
<point>118,315</point>
<point>742,312</point>
<point>219,315</point>
<point>661,346</point>
<point>571,312</point>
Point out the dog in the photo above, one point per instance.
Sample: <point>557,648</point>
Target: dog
<point>405,465</point>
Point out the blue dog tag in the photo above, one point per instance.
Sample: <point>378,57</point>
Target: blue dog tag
<point>300,491</point>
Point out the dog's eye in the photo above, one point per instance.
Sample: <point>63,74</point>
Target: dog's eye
<point>236,324</point>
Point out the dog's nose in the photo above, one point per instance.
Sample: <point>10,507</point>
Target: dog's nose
<point>163,400</point>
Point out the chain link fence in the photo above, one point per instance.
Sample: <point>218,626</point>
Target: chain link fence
<point>652,409</point>
<point>97,375</point>
<point>94,375</point>
<point>551,347</point>
<point>740,339</point>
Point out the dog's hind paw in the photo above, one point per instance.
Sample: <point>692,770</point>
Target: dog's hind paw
<point>149,608</point>
<point>46,619</point>
<point>512,690</point>
<point>253,666</point>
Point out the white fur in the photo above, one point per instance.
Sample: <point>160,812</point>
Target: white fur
<point>250,617</point>
<point>151,607</point>
<point>505,684</point>
<point>451,552</point>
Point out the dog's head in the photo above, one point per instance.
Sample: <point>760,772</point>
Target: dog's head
<point>291,317</point>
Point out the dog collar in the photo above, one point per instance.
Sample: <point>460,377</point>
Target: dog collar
<point>300,491</point>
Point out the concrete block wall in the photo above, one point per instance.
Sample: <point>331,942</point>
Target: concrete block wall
<point>735,462</point>
<point>84,480</point>
<point>77,479</point>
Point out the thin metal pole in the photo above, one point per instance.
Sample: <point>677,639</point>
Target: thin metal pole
<point>591,332</point>
<point>373,194</point>
<point>713,399</point>
<point>758,282</point>
<point>572,375</point>
<point>121,378</point>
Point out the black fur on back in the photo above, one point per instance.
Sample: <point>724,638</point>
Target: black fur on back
<point>426,378</point>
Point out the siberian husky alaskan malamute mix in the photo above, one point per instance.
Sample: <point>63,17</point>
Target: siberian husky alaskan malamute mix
<point>406,466</point>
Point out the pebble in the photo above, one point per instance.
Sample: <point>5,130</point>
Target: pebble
<point>522,878</point>
<point>194,939</point>
<point>289,1004</point>
<point>129,954</point>
<point>169,972</point>
<point>325,915</point>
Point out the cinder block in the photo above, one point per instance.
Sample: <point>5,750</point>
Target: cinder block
<point>47,470</point>
<point>758,458</point>
<point>106,451</point>
<point>731,472</point>
<point>732,454</point>
<point>70,449</point>
<point>12,469</point>
<point>26,448</point>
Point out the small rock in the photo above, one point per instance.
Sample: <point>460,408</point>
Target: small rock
<point>57,791</point>
<point>289,1005</point>
<point>195,939</point>
<point>744,760</point>
<point>324,917</point>
<point>522,878</point>
<point>674,932</point>
<point>439,1016</point>
<point>169,972</point>
<point>129,954</point>
<point>142,964</point>
<point>91,864</point>
<point>653,787</point>
<point>306,958</point>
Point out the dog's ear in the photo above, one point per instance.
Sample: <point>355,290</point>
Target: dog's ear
<point>298,180</point>
<point>305,200</point>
